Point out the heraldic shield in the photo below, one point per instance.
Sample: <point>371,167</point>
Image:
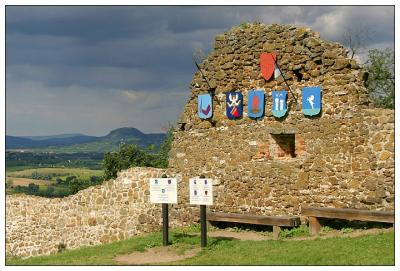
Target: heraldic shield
<point>255,107</point>
<point>279,103</point>
<point>311,100</point>
<point>267,64</point>
<point>205,106</point>
<point>234,105</point>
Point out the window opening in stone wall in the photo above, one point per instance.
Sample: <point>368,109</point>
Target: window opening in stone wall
<point>283,146</point>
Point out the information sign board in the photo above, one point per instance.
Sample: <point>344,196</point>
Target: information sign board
<point>163,190</point>
<point>201,192</point>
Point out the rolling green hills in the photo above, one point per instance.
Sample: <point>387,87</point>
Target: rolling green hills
<point>84,144</point>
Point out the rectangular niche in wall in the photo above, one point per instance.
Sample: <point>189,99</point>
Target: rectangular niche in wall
<point>283,146</point>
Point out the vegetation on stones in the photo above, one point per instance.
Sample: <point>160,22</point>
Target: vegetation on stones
<point>244,25</point>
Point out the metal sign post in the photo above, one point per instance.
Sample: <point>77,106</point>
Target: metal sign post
<point>203,223</point>
<point>164,190</point>
<point>165,223</point>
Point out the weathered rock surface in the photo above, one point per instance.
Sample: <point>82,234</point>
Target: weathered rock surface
<point>342,158</point>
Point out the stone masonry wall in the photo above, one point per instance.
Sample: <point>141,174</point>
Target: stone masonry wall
<point>115,210</point>
<point>343,157</point>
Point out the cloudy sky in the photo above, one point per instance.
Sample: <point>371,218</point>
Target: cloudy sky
<point>88,69</point>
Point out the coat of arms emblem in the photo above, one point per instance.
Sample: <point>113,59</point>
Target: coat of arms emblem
<point>255,103</point>
<point>279,103</point>
<point>267,64</point>
<point>205,106</point>
<point>234,105</point>
<point>311,100</point>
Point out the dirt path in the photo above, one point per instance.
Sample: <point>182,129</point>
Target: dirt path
<point>241,235</point>
<point>256,236</point>
<point>155,255</point>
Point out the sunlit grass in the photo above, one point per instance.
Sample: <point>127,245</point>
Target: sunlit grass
<point>374,249</point>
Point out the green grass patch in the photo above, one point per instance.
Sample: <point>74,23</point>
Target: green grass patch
<point>376,249</point>
<point>96,255</point>
<point>16,168</point>
<point>83,173</point>
<point>366,250</point>
<point>300,231</point>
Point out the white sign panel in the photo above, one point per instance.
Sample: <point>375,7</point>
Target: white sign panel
<point>201,191</point>
<point>163,190</point>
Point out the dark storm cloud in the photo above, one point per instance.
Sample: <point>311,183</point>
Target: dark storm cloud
<point>83,22</point>
<point>94,68</point>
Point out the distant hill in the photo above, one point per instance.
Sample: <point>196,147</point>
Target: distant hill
<point>54,136</point>
<point>82,143</point>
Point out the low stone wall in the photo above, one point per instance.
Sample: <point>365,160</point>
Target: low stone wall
<point>115,210</point>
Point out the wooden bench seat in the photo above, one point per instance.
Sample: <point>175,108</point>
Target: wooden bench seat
<point>275,221</point>
<point>314,213</point>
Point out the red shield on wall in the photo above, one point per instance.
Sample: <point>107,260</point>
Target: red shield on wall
<point>267,64</point>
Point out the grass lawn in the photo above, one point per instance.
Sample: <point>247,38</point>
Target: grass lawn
<point>374,249</point>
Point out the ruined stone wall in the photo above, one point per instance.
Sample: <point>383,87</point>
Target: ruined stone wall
<point>115,210</point>
<point>343,157</point>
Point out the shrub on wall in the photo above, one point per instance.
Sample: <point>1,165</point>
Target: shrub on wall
<point>133,156</point>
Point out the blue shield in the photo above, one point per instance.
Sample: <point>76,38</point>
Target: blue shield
<point>255,104</point>
<point>205,106</point>
<point>311,101</point>
<point>279,103</point>
<point>234,105</point>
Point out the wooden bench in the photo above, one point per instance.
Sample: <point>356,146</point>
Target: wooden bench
<point>314,213</point>
<point>275,221</point>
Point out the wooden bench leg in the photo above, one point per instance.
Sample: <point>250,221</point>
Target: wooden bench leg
<point>314,224</point>
<point>275,231</point>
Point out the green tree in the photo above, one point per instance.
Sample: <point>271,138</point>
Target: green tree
<point>69,179</point>
<point>19,188</point>
<point>127,156</point>
<point>59,181</point>
<point>33,188</point>
<point>163,154</point>
<point>133,156</point>
<point>96,180</point>
<point>380,83</point>
<point>9,183</point>
<point>76,184</point>
<point>49,192</point>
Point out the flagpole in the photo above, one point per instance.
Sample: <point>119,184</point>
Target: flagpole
<point>284,79</point>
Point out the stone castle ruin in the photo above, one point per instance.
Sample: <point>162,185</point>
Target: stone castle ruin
<point>343,157</point>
